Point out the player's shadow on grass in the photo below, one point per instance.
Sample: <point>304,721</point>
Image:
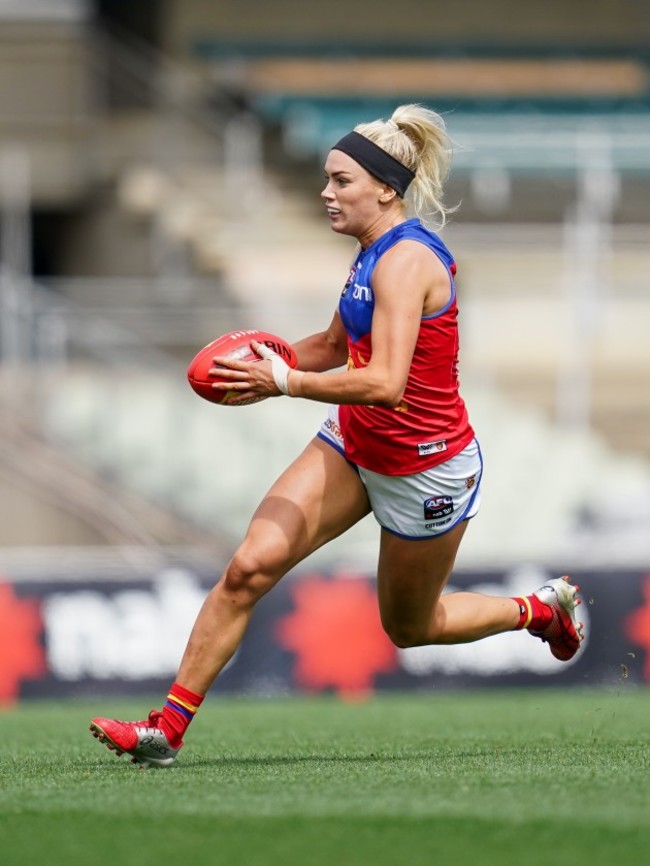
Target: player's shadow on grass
<point>314,758</point>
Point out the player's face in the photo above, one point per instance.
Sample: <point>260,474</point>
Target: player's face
<point>353,197</point>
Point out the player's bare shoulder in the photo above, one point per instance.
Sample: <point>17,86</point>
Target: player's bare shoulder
<point>414,268</point>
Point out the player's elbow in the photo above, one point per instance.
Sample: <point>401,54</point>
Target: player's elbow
<point>388,394</point>
<point>394,400</point>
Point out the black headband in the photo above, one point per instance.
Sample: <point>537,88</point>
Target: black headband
<point>377,161</point>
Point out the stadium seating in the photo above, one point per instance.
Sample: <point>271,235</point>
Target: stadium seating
<point>505,105</point>
<point>544,483</point>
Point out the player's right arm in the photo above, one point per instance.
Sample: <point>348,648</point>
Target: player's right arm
<point>325,350</point>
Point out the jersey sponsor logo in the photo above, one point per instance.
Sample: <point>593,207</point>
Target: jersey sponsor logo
<point>425,448</point>
<point>362,293</point>
<point>438,507</point>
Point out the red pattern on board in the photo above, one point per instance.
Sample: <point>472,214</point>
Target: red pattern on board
<point>21,654</point>
<point>637,626</point>
<point>336,634</point>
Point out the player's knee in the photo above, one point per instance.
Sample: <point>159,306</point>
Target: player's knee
<point>247,578</point>
<point>404,635</point>
<point>407,632</point>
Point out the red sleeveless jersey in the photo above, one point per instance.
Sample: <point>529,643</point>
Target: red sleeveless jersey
<point>431,424</point>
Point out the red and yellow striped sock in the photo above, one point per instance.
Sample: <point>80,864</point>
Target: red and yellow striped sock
<point>533,613</point>
<point>179,710</point>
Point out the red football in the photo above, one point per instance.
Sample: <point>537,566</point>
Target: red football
<point>234,345</point>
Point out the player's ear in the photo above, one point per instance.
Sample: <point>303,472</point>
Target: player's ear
<point>387,194</point>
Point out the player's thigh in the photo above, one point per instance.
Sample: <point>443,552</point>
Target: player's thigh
<point>412,574</point>
<point>318,497</point>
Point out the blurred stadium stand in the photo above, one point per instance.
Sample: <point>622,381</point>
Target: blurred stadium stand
<point>159,180</point>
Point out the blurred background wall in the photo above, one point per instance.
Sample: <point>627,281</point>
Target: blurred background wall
<point>160,170</point>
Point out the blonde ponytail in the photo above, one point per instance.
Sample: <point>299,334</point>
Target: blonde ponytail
<point>417,137</point>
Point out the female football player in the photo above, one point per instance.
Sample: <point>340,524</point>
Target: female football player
<point>397,439</point>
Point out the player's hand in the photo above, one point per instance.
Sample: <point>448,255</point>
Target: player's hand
<point>279,368</point>
<point>245,381</point>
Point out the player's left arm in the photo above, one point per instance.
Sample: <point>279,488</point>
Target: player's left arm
<point>408,280</point>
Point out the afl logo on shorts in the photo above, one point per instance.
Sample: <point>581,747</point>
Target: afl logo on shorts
<point>437,507</point>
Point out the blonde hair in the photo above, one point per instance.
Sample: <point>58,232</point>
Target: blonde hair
<point>417,137</point>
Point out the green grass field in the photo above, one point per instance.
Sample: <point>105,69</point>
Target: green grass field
<point>532,777</point>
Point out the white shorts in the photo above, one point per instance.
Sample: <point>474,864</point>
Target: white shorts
<point>423,505</point>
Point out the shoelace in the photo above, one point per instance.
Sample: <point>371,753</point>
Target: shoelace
<point>151,721</point>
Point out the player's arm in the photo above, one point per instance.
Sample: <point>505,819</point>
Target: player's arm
<point>403,282</point>
<point>408,280</point>
<point>396,320</point>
